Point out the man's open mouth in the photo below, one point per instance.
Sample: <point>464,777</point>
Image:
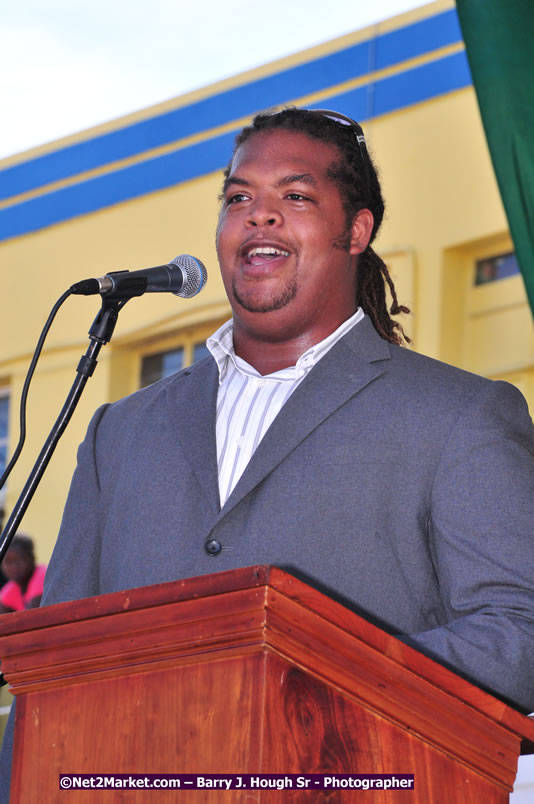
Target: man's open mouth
<point>258,254</point>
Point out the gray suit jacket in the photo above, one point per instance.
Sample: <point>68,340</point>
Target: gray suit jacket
<point>399,485</point>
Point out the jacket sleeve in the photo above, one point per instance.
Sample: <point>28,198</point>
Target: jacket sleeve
<point>74,569</point>
<point>482,541</point>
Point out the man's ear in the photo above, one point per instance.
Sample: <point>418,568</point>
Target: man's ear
<point>361,230</point>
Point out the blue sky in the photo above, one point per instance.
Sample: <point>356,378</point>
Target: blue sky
<point>66,65</point>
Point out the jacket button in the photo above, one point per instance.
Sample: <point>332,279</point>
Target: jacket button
<point>213,547</point>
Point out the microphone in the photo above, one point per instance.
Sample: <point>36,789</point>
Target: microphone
<point>184,276</point>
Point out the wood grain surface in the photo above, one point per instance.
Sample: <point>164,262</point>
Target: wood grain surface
<point>249,671</point>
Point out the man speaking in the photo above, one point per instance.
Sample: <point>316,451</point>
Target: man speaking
<point>312,439</point>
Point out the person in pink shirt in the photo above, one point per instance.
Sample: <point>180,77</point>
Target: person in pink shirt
<point>24,586</point>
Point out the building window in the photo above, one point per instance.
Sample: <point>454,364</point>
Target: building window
<point>490,269</point>
<point>163,364</point>
<point>156,367</point>
<point>200,350</point>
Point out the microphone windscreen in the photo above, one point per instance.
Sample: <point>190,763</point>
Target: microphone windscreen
<point>195,275</point>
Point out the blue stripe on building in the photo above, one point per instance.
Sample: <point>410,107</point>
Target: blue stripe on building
<point>154,174</point>
<point>157,173</point>
<point>356,61</point>
<point>404,89</point>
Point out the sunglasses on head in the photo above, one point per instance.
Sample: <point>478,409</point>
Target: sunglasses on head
<point>343,120</point>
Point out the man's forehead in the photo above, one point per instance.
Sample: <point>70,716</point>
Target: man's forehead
<point>284,156</point>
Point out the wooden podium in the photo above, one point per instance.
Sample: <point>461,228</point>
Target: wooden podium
<point>249,671</point>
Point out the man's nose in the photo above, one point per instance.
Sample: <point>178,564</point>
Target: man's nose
<point>264,213</point>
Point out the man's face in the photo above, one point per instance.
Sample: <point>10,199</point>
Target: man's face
<point>17,565</point>
<point>284,247</point>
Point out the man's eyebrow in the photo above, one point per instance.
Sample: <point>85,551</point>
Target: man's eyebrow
<point>234,180</point>
<point>293,178</point>
<point>304,178</point>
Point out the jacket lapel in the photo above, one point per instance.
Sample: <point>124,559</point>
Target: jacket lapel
<point>197,392</point>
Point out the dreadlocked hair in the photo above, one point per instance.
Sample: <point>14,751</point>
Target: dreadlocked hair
<point>357,180</point>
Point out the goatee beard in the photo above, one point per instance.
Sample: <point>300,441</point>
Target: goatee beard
<point>275,302</point>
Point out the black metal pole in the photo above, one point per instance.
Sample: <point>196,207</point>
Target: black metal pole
<point>99,334</point>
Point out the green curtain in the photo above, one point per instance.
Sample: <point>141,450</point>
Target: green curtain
<point>499,40</point>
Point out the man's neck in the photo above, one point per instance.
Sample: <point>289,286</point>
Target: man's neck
<point>268,356</point>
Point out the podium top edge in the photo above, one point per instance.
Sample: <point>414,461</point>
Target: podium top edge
<point>295,592</point>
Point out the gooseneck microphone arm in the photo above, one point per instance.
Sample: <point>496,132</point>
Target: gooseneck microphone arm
<point>184,276</point>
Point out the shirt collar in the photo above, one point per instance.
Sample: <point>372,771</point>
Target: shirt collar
<point>221,346</point>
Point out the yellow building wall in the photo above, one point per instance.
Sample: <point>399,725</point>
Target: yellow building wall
<point>443,213</point>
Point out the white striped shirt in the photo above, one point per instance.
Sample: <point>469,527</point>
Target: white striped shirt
<point>248,402</point>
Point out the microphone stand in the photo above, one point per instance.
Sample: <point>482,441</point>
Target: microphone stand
<point>99,334</point>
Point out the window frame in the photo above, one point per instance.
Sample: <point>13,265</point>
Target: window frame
<point>186,340</point>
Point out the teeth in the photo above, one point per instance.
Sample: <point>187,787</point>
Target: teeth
<point>269,251</point>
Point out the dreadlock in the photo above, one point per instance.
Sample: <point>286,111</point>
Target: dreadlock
<point>357,180</point>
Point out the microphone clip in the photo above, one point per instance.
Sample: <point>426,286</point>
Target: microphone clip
<point>104,324</point>
<point>129,285</point>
